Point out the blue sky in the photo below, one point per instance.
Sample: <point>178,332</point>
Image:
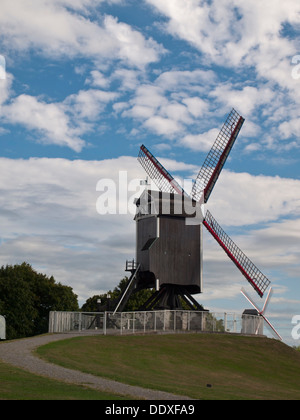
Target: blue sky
<point>88,81</point>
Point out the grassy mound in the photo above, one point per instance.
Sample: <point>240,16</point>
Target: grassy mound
<point>235,367</point>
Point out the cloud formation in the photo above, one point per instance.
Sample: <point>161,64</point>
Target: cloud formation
<point>244,36</point>
<point>178,106</point>
<point>56,28</point>
<point>49,218</point>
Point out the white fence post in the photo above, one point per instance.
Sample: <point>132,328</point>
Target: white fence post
<point>104,323</point>
<point>80,322</point>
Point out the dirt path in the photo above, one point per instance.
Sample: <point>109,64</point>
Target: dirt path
<point>20,353</point>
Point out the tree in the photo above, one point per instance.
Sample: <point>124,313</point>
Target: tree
<point>91,304</point>
<point>133,304</point>
<point>27,297</point>
<point>17,304</point>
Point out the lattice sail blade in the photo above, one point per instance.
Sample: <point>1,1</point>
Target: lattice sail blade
<point>254,276</point>
<point>270,293</point>
<point>159,175</point>
<point>217,157</point>
<point>271,326</point>
<point>250,300</point>
<point>261,313</point>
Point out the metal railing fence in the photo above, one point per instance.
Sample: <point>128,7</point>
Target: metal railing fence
<point>153,321</point>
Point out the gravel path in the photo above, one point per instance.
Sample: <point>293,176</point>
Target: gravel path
<point>20,353</point>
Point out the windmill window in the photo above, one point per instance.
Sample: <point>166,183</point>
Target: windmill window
<point>148,244</point>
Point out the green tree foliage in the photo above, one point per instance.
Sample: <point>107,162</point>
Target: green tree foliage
<point>133,304</point>
<point>26,297</point>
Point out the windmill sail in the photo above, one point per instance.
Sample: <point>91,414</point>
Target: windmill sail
<point>254,276</point>
<point>159,175</point>
<point>217,156</point>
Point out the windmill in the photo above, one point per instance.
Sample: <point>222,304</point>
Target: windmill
<point>261,313</point>
<point>169,231</point>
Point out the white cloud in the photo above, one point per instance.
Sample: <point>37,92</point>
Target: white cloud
<point>194,23</point>
<point>150,95</point>
<point>88,104</point>
<point>250,37</point>
<point>61,123</point>
<point>243,199</point>
<point>280,242</point>
<point>200,142</point>
<point>52,29</point>
<point>290,128</point>
<point>129,78</point>
<point>185,80</point>
<point>145,106</point>
<point>97,79</point>
<point>168,106</point>
<point>230,32</point>
<point>179,103</point>
<point>196,106</point>
<point>49,119</point>
<point>5,89</point>
<point>163,126</point>
<point>131,45</point>
<point>175,166</point>
<point>246,100</point>
<point>176,112</point>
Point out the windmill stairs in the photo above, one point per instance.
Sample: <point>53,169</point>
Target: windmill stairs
<point>134,268</point>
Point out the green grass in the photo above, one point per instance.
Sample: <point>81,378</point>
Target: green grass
<point>16,384</point>
<point>236,367</point>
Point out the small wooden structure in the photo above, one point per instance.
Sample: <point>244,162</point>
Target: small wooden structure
<point>252,323</point>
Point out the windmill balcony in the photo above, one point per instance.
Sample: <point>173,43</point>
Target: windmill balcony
<point>131,265</point>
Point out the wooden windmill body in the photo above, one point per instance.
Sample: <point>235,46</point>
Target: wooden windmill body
<point>169,245</point>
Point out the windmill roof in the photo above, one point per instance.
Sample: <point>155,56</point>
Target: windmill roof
<point>159,203</point>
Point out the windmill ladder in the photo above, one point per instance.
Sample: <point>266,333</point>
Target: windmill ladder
<point>125,296</point>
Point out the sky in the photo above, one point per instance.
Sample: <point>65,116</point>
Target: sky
<point>83,83</point>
